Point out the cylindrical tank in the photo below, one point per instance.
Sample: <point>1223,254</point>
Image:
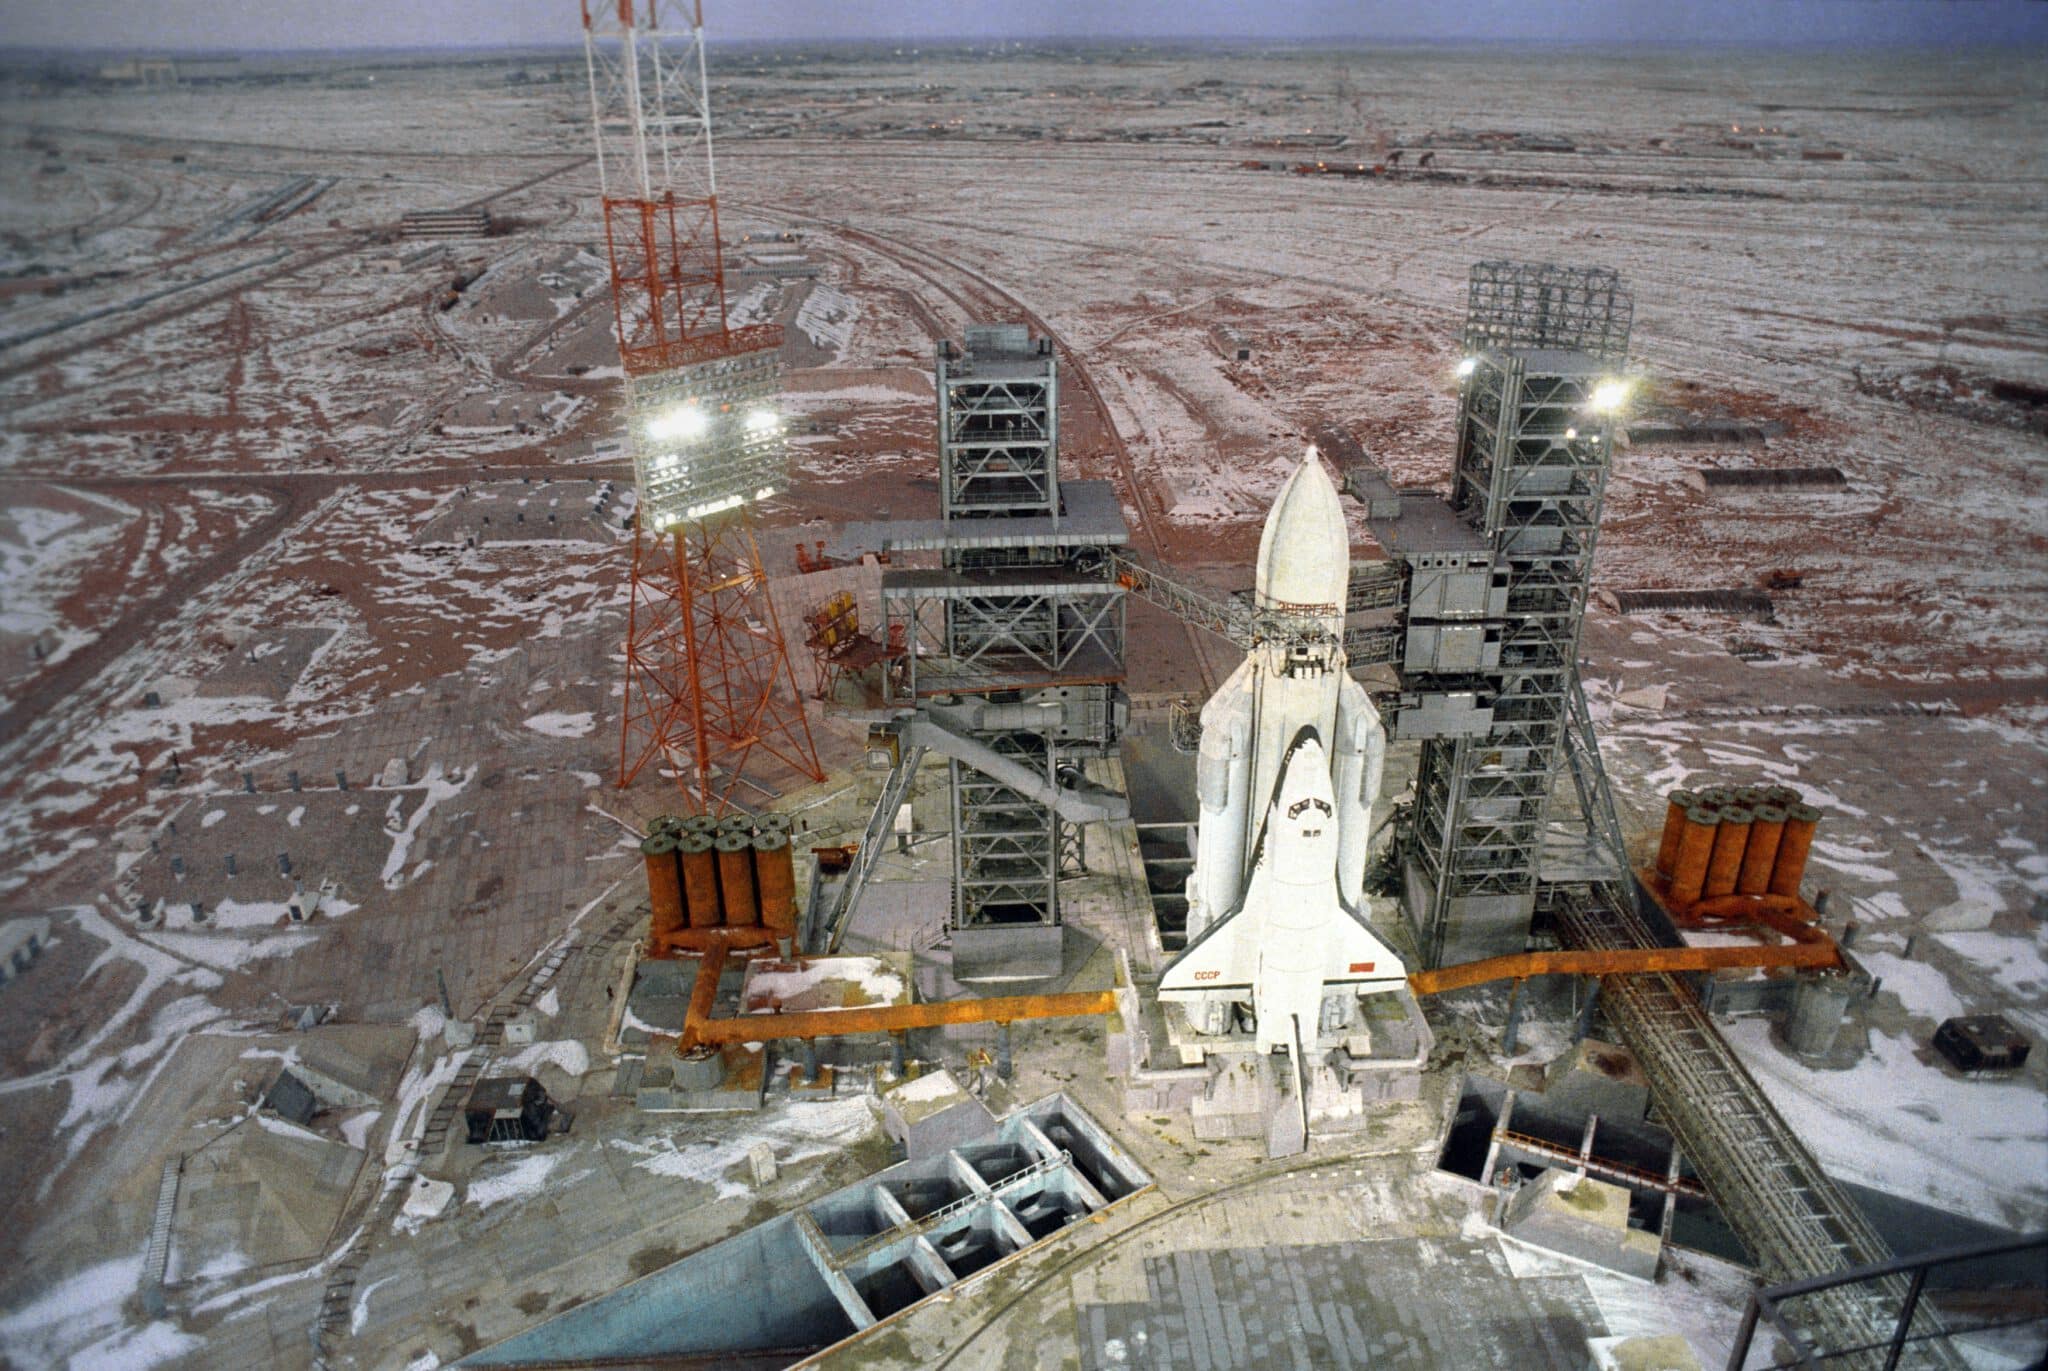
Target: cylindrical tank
<point>1762,850</point>
<point>774,823</point>
<point>1729,841</point>
<point>701,1068</point>
<point>1695,849</point>
<point>1750,796</point>
<point>736,880</point>
<point>700,879</point>
<point>1818,1004</point>
<point>1717,796</point>
<point>741,824</point>
<point>1783,796</point>
<point>1674,824</point>
<point>775,883</point>
<point>664,823</point>
<point>701,823</point>
<point>664,885</point>
<point>1789,868</point>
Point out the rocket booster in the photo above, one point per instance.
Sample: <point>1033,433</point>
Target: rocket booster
<point>1289,767</point>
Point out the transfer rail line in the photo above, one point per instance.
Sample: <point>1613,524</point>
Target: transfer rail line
<point>1793,1219</point>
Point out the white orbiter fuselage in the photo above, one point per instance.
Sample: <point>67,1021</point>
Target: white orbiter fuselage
<point>1289,767</point>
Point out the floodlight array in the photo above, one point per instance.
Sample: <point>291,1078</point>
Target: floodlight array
<point>707,438</point>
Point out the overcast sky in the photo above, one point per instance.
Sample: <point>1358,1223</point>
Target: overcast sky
<point>264,24</point>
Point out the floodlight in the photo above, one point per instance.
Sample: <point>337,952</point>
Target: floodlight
<point>1467,367</point>
<point>684,421</point>
<point>1610,395</point>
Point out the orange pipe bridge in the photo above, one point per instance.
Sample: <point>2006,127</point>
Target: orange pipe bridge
<point>1807,946</point>
<point>701,1030</point>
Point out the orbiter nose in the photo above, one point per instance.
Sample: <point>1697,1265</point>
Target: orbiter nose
<point>1305,550</point>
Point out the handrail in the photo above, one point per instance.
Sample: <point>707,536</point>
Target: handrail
<point>1764,1303</point>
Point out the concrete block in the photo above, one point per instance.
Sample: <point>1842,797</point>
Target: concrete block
<point>761,1163</point>
<point>519,1030</point>
<point>933,1114</point>
<point>1577,1216</point>
<point>458,1033</point>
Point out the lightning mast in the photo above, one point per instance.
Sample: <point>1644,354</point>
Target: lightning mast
<point>708,677</point>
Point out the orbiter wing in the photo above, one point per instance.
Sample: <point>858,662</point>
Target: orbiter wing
<point>1226,955</point>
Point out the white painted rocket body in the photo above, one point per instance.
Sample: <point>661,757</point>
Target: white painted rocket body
<point>1290,764</point>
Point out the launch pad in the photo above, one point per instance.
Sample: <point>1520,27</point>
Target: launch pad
<point>353,512</point>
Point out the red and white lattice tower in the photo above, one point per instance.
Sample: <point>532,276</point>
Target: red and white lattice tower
<point>708,677</point>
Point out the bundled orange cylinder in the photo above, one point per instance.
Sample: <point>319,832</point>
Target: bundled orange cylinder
<point>1725,864</point>
<point>1674,825</point>
<point>736,879</point>
<point>664,884</point>
<point>1761,853</point>
<point>700,879</point>
<point>775,882</point>
<point>1789,867</point>
<point>1695,851</point>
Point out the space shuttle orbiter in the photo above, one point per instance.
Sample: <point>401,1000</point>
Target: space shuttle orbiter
<point>1290,763</point>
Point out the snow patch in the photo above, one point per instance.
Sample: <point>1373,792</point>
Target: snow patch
<point>563,725</point>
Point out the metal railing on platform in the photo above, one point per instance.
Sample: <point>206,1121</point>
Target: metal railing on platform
<point>1768,1306</point>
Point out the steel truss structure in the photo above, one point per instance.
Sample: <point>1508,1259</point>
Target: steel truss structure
<point>650,106</point>
<point>1514,305</point>
<point>1530,474</point>
<point>998,431</point>
<point>1023,622</point>
<point>1496,596</point>
<point>708,678</point>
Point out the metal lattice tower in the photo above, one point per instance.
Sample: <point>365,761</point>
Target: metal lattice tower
<point>1017,640</point>
<point>1533,451</point>
<point>708,678</point>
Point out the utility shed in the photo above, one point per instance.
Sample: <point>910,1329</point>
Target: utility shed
<point>21,942</point>
<point>507,1109</point>
<point>1982,1042</point>
<point>290,1098</point>
<point>933,1114</point>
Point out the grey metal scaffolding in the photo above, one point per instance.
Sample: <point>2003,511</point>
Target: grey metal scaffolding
<point>1531,472</point>
<point>1019,632</point>
<point>1544,305</point>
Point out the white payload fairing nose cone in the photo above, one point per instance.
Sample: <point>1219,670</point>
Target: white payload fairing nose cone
<point>1305,550</point>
